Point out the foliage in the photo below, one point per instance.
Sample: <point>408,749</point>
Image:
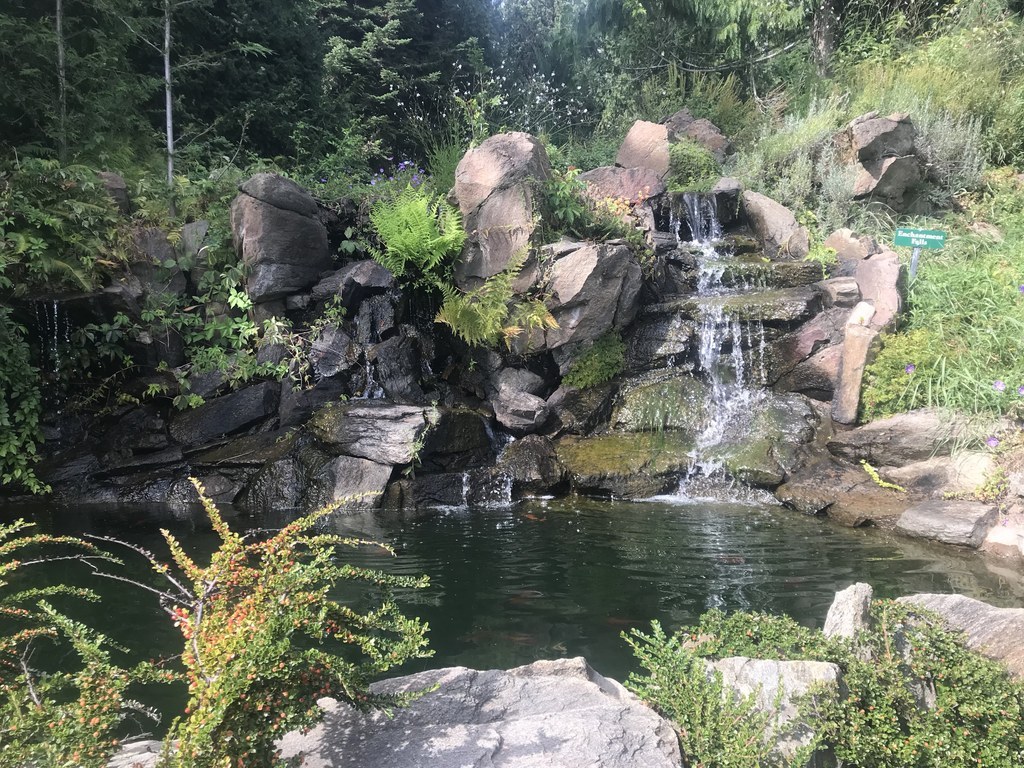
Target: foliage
<point>603,361</point>
<point>263,639</point>
<point>571,211</point>
<point>50,717</point>
<point>962,345</point>
<point>692,168</point>
<point>419,233</point>
<point>877,721</point>
<point>21,405</point>
<point>58,227</point>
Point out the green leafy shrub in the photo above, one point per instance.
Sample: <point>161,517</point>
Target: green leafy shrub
<point>877,722</point>
<point>603,361</point>
<point>692,168</point>
<point>419,232</point>
<point>20,408</point>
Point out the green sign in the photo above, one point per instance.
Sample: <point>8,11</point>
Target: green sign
<point>920,238</point>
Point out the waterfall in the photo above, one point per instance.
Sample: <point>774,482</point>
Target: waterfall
<point>53,329</point>
<point>730,348</point>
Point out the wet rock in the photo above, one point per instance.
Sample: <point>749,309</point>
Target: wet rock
<point>814,377</point>
<point>550,713</point>
<point>298,403</point>
<point>353,283</point>
<point>683,125</point>
<point>580,411</point>
<point>519,412</point>
<point>226,415</point>
<point>398,363</point>
<point>351,482</point>
<point>850,612</point>
<point>635,185</point>
<point>495,185</point>
<point>376,320</point>
<point>594,288</point>
<point>627,465</point>
<point>728,194</point>
<point>777,687</point>
<point>657,402</point>
<point>901,439</point>
<point>776,227</point>
<point>781,305</point>
<point>278,236</point>
<point>659,340</point>
<point>952,522</point>
<point>378,431</point>
<point>645,146</point>
<point>532,464</point>
<point>881,280</point>
<point>247,451</point>
<point>332,353</point>
<point>993,632</point>
<point>860,345</point>
<point>460,439</point>
<point>278,485</point>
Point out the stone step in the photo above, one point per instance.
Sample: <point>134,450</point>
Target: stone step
<point>776,306</point>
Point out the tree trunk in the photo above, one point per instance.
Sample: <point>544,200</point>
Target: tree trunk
<point>62,87</point>
<point>824,24</point>
<point>168,104</point>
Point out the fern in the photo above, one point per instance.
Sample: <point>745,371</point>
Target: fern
<point>418,232</point>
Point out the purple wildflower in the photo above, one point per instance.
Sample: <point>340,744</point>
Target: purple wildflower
<point>992,441</point>
<point>910,368</point>
<point>999,386</point>
<point>1020,288</point>
<point>1020,390</point>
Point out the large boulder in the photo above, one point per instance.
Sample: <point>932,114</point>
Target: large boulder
<point>549,713</point>
<point>776,227</point>
<point>665,400</point>
<point>279,237</point>
<point>593,289</point>
<point>519,412</point>
<point>374,430</point>
<point>850,612</point>
<point>226,415</point>
<point>352,483</point>
<point>952,522</point>
<point>634,185</point>
<point>626,465</point>
<point>533,466</point>
<point>881,152</point>
<point>354,282</point>
<point>646,146</point>
<point>993,632</point>
<point>683,125</point>
<point>496,186</point>
<point>871,137</point>
<point>777,688</point>
<point>881,280</point>
<point>901,439</point>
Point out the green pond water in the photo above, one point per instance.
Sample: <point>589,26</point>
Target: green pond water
<point>566,577</point>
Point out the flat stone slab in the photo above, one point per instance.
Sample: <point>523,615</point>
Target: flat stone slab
<point>996,633</point>
<point>549,714</point>
<point>952,522</point>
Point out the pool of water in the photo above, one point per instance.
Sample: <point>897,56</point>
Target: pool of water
<point>545,579</point>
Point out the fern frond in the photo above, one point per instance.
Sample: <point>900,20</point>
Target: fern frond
<point>419,232</point>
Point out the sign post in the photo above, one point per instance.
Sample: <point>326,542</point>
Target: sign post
<point>932,239</point>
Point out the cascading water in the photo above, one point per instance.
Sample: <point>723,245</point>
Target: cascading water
<point>53,329</point>
<point>730,350</point>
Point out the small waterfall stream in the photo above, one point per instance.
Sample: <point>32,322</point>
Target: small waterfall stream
<point>730,348</point>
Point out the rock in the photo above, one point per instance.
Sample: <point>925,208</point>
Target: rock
<point>398,363</point>
<point>840,292</point>
<point>635,185</point>
<point>658,402</point>
<point>278,236</point>
<point>850,612</point>
<point>821,331</point>
<point>374,430</point>
<point>298,403</point>
<point>115,186</point>
<point>227,414</point>
<point>495,185</point>
<point>881,280</point>
<point>332,353</point>
<point>777,687</point>
<point>851,248</point>
<point>158,268</point>
<point>352,482</point>
<point>814,377</point>
<point>902,439</point>
<point>728,194</point>
<point>461,439</point>
<point>549,713</point>
<point>963,473</point>
<point>594,288</point>
<point>627,465</point>
<point>845,494</point>
<point>659,340</point>
<point>683,125</point>
<point>888,179</point>
<point>517,380</point>
<point>353,283</point>
<point>377,318</point>
<point>776,227</point>
<point>533,466</point>
<point>581,411</point>
<point>279,485</point>
<point>860,345</point>
<point>952,522</point>
<point>137,754</point>
<point>645,146</point>
<point>519,412</point>
<point>781,305</point>
<point>872,137</point>
<point>993,632</point>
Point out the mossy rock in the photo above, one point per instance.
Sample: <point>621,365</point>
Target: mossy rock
<point>625,465</point>
<point>654,403</point>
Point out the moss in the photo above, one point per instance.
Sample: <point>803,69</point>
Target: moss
<point>692,168</point>
<point>600,363</point>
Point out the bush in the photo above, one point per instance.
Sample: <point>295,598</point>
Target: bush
<point>877,722</point>
<point>603,361</point>
<point>692,168</point>
<point>21,404</point>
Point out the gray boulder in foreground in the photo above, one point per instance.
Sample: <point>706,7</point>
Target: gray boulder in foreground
<point>996,633</point>
<point>549,714</point>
